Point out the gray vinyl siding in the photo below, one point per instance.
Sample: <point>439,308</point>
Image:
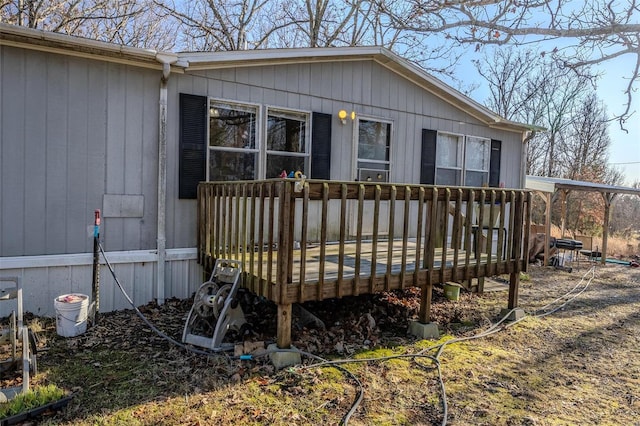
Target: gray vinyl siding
<point>365,87</point>
<point>73,130</point>
<point>76,129</point>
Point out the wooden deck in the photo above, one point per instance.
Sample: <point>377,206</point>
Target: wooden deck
<point>352,272</point>
<point>313,240</point>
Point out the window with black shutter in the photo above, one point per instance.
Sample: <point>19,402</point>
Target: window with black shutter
<point>428,157</point>
<point>192,144</point>
<point>494,166</point>
<point>321,146</point>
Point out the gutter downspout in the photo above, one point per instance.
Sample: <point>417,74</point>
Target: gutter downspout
<point>523,158</point>
<point>166,60</point>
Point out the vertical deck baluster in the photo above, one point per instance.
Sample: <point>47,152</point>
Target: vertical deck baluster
<point>478,237</point>
<point>501,231</point>
<point>518,233</point>
<point>456,237</point>
<point>444,210</point>
<point>392,219</point>
<point>468,229</point>
<point>489,242</point>
<point>252,240</point>
<point>270,239</point>
<point>226,218</point>
<point>218,222</point>
<point>210,218</point>
<point>237,228</point>
<point>356,278</point>
<point>374,242</point>
<point>303,240</point>
<point>291,211</point>
<point>527,226</point>
<point>264,285</point>
<point>203,237</point>
<point>323,241</point>
<point>418,267</point>
<point>343,237</point>
<point>200,222</point>
<point>405,235</point>
<point>243,218</point>
<point>512,217</point>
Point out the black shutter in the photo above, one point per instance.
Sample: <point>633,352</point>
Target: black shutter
<point>193,144</point>
<point>428,157</point>
<point>494,163</point>
<point>321,146</point>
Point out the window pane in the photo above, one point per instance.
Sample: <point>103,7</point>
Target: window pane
<point>373,140</point>
<point>448,150</point>
<point>374,166</point>
<point>286,132</point>
<point>232,126</point>
<point>477,155</point>
<point>447,177</point>
<point>278,163</point>
<point>476,178</point>
<point>224,166</point>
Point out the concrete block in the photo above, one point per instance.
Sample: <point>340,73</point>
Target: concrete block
<point>283,359</point>
<point>516,315</point>
<point>424,331</point>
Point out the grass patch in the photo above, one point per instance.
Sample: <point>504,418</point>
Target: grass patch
<point>39,396</point>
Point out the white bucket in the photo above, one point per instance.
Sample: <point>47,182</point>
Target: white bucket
<point>71,314</point>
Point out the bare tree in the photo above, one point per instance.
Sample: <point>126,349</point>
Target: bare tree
<point>580,33</point>
<point>585,154</point>
<point>213,25</point>
<point>527,87</point>
<point>127,22</point>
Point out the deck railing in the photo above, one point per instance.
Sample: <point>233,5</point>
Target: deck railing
<point>300,241</point>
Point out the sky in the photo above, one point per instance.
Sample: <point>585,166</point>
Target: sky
<point>625,147</point>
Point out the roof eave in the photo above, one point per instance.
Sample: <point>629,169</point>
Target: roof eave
<point>217,60</point>
<point>34,39</point>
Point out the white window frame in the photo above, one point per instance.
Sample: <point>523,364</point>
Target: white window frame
<point>488,159</point>
<point>460,160</point>
<point>462,157</point>
<point>356,141</point>
<point>258,137</point>
<point>274,110</point>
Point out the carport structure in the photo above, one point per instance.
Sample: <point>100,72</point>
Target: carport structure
<point>549,188</point>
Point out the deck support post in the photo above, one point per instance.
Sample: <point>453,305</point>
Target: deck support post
<point>425,303</point>
<point>423,328</point>
<point>281,353</point>
<point>514,284</point>
<point>284,326</point>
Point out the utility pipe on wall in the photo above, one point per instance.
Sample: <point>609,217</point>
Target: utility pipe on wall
<point>166,60</point>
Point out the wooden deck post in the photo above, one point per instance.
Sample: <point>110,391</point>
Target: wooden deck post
<point>425,301</point>
<point>284,326</point>
<point>514,285</point>
<point>608,198</point>
<point>518,224</point>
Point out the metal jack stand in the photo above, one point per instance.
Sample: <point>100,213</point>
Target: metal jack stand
<point>216,309</point>
<point>17,333</point>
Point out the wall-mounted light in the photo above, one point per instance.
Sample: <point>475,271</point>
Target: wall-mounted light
<point>342,115</point>
<point>213,112</point>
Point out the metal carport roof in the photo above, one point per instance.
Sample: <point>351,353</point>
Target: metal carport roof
<point>552,186</point>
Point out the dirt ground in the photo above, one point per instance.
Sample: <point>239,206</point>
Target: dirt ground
<point>577,365</point>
